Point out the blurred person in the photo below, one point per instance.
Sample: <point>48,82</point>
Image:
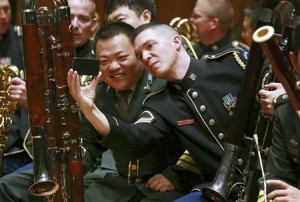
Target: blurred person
<point>284,159</point>
<point>16,153</point>
<point>214,26</point>
<point>251,16</point>
<point>133,12</point>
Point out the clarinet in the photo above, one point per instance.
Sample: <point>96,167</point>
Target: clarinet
<point>224,178</point>
<point>53,113</point>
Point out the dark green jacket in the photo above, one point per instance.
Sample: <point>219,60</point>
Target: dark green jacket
<point>284,158</point>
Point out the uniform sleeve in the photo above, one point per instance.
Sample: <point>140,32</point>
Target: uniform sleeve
<point>183,179</point>
<point>136,139</point>
<point>91,143</point>
<point>279,163</point>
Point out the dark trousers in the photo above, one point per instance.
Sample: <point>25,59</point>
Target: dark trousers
<point>11,163</point>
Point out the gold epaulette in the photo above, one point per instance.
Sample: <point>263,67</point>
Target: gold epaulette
<point>187,162</point>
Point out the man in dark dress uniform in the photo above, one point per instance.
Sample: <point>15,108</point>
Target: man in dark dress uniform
<point>284,159</point>
<point>214,23</point>
<point>11,53</point>
<point>191,106</point>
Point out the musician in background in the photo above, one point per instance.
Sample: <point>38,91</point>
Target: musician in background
<point>11,53</point>
<point>284,159</point>
<point>214,26</point>
<point>251,16</point>
<point>85,23</point>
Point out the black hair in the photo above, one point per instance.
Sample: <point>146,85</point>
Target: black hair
<point>252,11</point>
<point>138,6</point>
<point>295,40</point>
<point>113,29</point>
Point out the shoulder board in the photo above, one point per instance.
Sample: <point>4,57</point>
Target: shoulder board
<point>237,54</point>
<point>238,44</point>
<point>18,30</point>
<point>281,99</point>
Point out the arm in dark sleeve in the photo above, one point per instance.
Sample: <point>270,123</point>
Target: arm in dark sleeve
<point>91,143</point>
<point>279,163</point>
<point>137,139</point>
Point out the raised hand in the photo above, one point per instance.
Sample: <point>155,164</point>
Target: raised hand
<point>84,96</point>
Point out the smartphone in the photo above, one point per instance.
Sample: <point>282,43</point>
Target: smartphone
<point>86,66</point>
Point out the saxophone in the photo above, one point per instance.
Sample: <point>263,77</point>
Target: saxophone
<point>53,113</point>
<point>7,106</point>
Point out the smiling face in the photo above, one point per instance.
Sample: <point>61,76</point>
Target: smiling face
<point>5,16</point>
<point>119,66</point>
<point>158,53</point>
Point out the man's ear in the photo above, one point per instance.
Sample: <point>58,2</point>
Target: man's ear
<point>214,23</point>
<point>95,24</point>
<point>146,16</point>
<point>177,41</point>
<point>294,61</point>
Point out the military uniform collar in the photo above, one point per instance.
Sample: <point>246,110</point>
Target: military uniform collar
<point>203,50</point>
<point>190,77</point>
<point>84,50</point>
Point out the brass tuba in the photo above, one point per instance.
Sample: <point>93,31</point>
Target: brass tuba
<point>7,106</point>
<point>188,32</point>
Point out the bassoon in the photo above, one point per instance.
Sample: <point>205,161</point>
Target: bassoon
<point>53,113</point>
<point>263,129</point>
<point>221,186</point>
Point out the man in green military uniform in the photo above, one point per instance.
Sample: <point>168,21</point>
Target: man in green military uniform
<point>135,164</point>
<point>191,106</point>
<point>284,159</point>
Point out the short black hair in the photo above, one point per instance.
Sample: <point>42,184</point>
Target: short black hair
<point>252,11</point>
<point>138,6</point>
<point>113,29</point>
<point>295,40</point>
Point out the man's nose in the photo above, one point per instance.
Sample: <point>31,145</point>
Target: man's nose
<point>74,22</point>
<point>114,66</point>
<point>146,55</point>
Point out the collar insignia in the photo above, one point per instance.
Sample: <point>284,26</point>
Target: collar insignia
<point>192,76</point>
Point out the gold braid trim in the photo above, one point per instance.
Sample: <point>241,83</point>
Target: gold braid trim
<point>239,60</point>
<point>187,162</point>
